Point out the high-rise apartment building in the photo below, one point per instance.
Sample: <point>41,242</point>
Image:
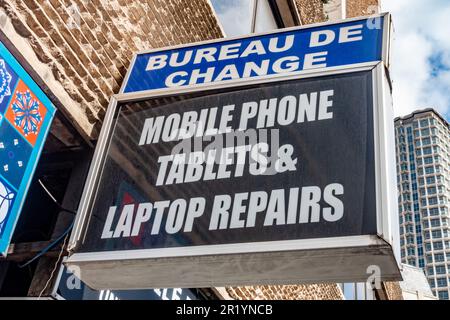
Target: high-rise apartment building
<point>423,179</point>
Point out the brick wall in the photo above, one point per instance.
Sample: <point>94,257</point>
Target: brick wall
<point>82,48</point>
<point>357,8</point>
<point>393,290</point>
<point>288,292</point>
<point>390,291</point>
<point>310,11</point>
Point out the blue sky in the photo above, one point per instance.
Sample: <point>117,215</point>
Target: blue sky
<point>421,54</point>
<point>421,49</point>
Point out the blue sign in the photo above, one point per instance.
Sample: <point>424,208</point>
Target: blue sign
<point>70,287</point>
<point>319,47</point>
<point>25,117</point>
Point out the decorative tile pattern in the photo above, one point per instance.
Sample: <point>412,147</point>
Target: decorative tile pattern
<point>8,80</point>
<point>7,197</point>
<point>15,153</point>
<point>26,113</point>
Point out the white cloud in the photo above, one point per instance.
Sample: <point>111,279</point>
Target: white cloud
<point>421,37</point>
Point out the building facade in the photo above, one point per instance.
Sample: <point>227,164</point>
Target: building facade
<point>415,285</point>
<point>423,159</point>
<point>78,53</point>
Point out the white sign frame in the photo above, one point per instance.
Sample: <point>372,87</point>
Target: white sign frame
<point>92,264</point>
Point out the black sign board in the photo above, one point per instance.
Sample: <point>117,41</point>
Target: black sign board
<point>203,177</point>
<point>274,182</point>
<point>70,287</point>
<point>315,177</point>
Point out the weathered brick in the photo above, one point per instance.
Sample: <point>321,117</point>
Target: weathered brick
<point>311,11</point>
<point>287,292</point>
<point>90,60</point>
<point>356,8</point>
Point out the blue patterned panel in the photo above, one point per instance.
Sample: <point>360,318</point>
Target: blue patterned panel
<point>14,154</point>
<point>8,81</point>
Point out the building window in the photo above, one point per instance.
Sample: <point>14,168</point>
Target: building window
<point>357,291</point>
<point>436,234</point>
<point>443,295</point>
<point>432,284</point>
<point>441,282</point>
<point>439,257</point>
<point>421,263</point>
<point>438,246</point>
<point>419,241</point>
<point>440,270</point>
<point>265,19</point>
<point>424,123</point>
<point>420,252</point>
<point>240,17</point>
<point>428,160</point>
<point>434,211</point>
<point>432,201</point>
<point>435,222</point>
<point>430,180</point>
